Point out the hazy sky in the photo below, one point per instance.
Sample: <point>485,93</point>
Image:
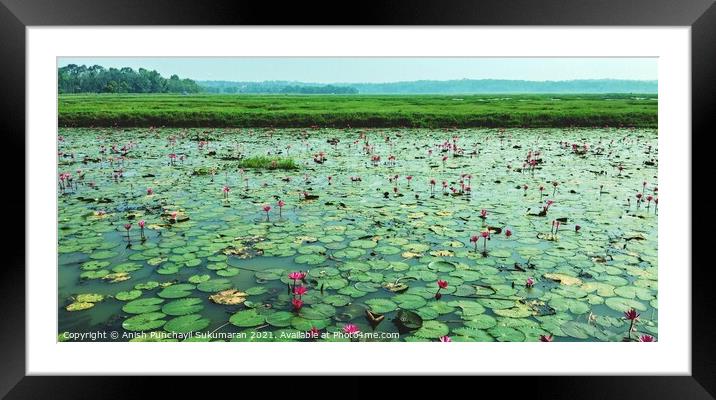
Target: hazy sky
<point>331,70</point>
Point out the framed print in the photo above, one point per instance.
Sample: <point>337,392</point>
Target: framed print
<point>417,191</point>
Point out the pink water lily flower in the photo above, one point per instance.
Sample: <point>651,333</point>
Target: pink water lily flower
<point>266,209</point>
<point>351,329</point>
<point>297,304</point>
<point>546,338</point>
<point>631,314</point>
<point>142,223</point>
<point>300,290</point>
<point>529,282</point>
<point>150,191</point>
<point>296,275</point>
<point>445,339</point>
<point>646,338</point>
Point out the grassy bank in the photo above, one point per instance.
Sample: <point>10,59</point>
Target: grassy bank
<point>506,110</point>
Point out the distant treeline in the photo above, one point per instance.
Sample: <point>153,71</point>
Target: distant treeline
<point>97,79</point>
<point>273,87</point>
<point>458,86</point>
<point>479,86</point>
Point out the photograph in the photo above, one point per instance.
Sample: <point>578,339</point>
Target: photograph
<point>357,199</point>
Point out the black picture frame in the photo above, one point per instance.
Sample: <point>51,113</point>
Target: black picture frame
<point>16,15</point>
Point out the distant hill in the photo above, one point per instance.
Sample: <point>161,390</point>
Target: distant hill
<point>461,86</point>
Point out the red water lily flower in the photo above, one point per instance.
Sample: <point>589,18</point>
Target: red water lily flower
<point>296,275</point>
<point>631,315</point>
<point>297,304</point>
<point>546,338</point>
<point>300,290</point>
<point>350,329</point>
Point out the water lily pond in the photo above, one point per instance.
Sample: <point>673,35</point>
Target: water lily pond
<point>391,234</point>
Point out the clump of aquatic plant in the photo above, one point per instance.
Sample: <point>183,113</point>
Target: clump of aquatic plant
<point>485,236</point>
<point>632,316</point>
<point>280,204</point>
<point>266,162</point>
<point>442,284</point>
<point>141,224</point>
<point>555,227</point>
<point>319,158</point>
<point>639,199</point>
<point>127,227</point>
<point>375,160</point>
<point>474,239</point>
<point>545,208</point>
<point>266,209</point>
<point>483,214</point>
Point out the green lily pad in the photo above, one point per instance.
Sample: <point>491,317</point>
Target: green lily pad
<point>128,295</point>
<point>432,330</point>
<point>189,305</point>
<point>247,318</point>
<point>176,291</point>
<point>142,306</point>
<point>186,324</point>
<point>144,322</point>
<point>381,306</point>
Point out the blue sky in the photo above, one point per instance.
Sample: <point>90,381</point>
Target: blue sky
<point>332,70</point>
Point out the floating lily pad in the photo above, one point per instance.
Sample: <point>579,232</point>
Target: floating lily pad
<point>183,306</point>
<point>247,318</point>
<point>214,285</point>
<point>432,330</point>
<point>144,322</point>
<point>128,295</point>
<point>176,291</point>
<point>230,296</point>
<point>141,306</point>
<point>186,324</point>
<point>381,306</point>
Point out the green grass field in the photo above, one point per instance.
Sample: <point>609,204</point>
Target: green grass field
<point>428,111</point>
